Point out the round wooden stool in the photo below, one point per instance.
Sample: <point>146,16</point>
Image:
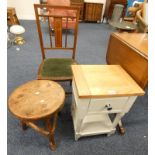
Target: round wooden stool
<point>37,100</point>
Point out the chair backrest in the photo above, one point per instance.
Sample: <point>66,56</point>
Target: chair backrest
<point>58,40</point>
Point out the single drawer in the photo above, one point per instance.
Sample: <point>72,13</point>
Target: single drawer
<point>110,105</point>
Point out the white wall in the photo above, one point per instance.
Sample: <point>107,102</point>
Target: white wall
<point>24,8</point>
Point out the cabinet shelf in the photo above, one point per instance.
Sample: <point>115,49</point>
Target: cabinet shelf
<point>96,124</point>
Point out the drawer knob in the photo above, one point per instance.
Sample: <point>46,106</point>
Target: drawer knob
<point>109,107</point>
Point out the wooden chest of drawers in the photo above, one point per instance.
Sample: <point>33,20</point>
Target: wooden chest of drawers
<point>93,11</point>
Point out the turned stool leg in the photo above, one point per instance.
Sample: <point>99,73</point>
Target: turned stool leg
<point>23,124</point>
<point>52,142</point>
<point>51,129</point>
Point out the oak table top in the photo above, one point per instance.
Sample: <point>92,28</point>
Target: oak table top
<point>138,41</point>
<point>104,81</point>
<point>36,99</point>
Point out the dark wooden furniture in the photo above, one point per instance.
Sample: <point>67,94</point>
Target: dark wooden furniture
<point>130,50</point>
<point>80,4</point>
<point>70,21</point>
<point>12,17</point>
<point>93,11</point>
<point>38,100</point>
<point>57,69</point>
<point>110,6</point>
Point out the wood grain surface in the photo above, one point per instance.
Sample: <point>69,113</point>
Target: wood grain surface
<point>93,11</point>
<point>130,50</point>
<point>139,41</point>
<point>104,81</point>
<point>36,99</point>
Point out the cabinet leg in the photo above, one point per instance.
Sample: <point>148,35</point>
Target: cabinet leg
<point>117,121</point>
<point>77,137</point>
<point>111,133</point>
<point>121,128</point>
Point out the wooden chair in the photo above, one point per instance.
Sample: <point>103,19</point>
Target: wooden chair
<point>57,69</point>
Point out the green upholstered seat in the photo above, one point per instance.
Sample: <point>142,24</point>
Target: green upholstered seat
<point>57,67</point>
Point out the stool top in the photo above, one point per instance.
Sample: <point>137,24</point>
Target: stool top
<point>36,99</point>
<point>17,29</point>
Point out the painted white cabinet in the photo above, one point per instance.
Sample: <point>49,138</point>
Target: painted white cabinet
<point>92,110</point>
<point>91,116</point>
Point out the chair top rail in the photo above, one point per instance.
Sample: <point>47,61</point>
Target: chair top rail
<point>58,25</point>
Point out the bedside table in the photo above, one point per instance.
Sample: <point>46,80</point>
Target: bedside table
<point>98,92</point>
